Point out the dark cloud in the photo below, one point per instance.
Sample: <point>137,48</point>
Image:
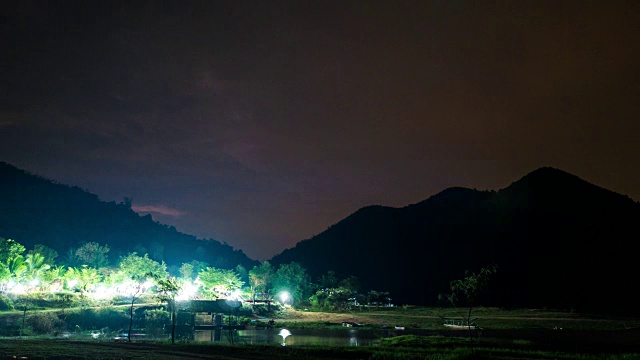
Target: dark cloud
<point>266,122</point>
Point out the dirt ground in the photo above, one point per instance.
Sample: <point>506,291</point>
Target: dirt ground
<point>293,315</point>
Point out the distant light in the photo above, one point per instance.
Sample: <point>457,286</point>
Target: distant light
<point>72,283</point>
<point>102,292</point>
<point>19,289</point>
<point>284,296</point>
<point>187,291</point>
<point>236,295</point>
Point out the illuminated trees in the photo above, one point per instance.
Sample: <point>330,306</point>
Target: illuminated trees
<point>136,271</point>
<point>293,278</point>
<point>135,266</point>
<point>190,270</point>
<point>9,249</point>
<point>47,253</point>
<point>35,266</point>
<point>16,267</point>
<point>260,278</point>
<point>217,282</point>
<point>85,278</point>
<point>167,290</point>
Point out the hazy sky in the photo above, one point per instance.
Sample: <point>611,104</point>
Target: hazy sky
<point>261,123</point>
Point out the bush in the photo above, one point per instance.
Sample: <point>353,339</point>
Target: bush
<point>155,320</point>
<point>6,303</point>
<point>45,323</point>
<point>43,300</point>
<point>91,319</point>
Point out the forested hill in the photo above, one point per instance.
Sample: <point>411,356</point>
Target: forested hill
<point>35,210</point>
<point>558,241</point>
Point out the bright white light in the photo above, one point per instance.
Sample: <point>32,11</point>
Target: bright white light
<point>127,288</point>
<point>147,284</point>
<point>187,291</point>
<point>19,289</point>
<point>284,333</point>
<point>236,295</point>
<point>34,282</point>
<point>102,292</point>
<point>284,296</point>
<point>72,283</point>
<point>11,284</point>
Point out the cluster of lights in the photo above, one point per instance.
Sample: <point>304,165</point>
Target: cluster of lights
<point>188,290</point>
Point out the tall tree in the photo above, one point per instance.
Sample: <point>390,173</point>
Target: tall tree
<point>139,270</point>
<point>219,282</point>
<point>9,248</point>
<point>466,291</point>
<point>36,266</point>
<point>47,253</point>
<point>261,279</point>
<point>93,254</point>
<point>139,267</point>
<point>293,278</point>
<point>167,290</point>
<point>86,277</point>
<point>11,260</point>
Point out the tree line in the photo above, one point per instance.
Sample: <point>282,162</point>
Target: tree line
<point>86,270</point>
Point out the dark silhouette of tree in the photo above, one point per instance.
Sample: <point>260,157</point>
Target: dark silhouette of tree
<point>466,291</point>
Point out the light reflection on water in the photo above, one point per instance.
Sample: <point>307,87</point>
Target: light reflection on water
<point>285,337</point>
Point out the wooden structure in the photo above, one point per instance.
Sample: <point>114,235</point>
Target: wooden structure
<point>208,320</point>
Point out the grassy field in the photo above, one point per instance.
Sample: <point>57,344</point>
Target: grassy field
<point>506,334</point>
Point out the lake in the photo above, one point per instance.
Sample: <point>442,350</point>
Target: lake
<point>286,337</point>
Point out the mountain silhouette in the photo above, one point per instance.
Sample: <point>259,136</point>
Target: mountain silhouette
<point>558,242</point>
<point>36,210</point>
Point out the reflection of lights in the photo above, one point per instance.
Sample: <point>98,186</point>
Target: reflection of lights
<point>353,337</point>
<point>284,333</point>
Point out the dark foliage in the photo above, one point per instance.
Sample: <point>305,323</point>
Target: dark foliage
<point>45,323</point>
<point>5,303</point>
<point>94,319</point>
<point>39,211</point>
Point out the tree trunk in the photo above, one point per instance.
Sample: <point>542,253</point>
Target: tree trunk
<point>470,333</point>
<point>173,322</point>
<point>130,319</point>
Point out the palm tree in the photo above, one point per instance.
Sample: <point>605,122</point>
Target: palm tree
<point>86,277</point>
<point>35,266</point>
<point>16,267</point>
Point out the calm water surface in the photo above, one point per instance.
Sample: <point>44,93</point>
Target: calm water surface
<point>286,337</point>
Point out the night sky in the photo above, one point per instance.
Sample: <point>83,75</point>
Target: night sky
<point>262,123</point>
